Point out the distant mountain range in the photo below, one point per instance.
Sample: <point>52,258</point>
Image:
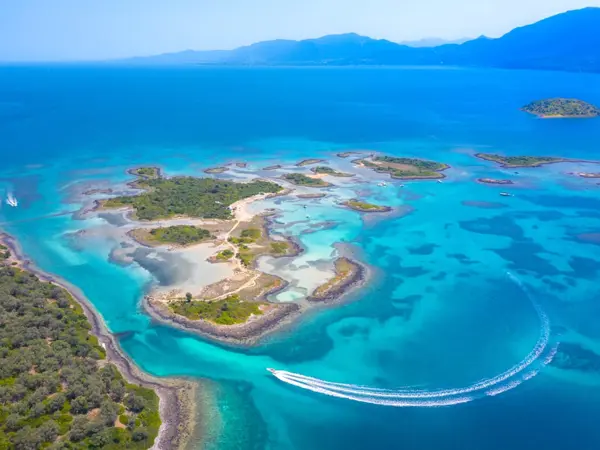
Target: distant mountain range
<point>569,41</point>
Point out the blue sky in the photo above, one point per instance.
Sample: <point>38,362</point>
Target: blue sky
<point>43,30</point>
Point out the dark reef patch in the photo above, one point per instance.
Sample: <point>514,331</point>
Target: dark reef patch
<point>462,258</point>
<point>544,216</point>
<point>567,202</point>
<point>524,256</point>
<point>572,356</point>
<point>350,330</point>
<point>583,267</point>
<point>483,205</point>
<point>411,271</point>
<point>587,238</point>
<point>497,226</point>
<point>439,276</point>
<point>425,249</point>
<point>554,285</point>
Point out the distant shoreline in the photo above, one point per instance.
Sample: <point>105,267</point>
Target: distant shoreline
<point>177,396</point>
<point>558,160</point>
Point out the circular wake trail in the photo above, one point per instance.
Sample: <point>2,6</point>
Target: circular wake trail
<point>406,396</point>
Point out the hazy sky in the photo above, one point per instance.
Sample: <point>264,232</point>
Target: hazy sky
<point>100,29</point>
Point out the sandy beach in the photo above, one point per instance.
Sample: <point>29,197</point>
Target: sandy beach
<point>177,396</point>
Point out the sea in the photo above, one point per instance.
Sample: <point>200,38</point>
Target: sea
<point>480,325</point>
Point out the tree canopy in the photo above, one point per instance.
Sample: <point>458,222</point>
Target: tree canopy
<point>189,196</point>
<point>55,389</point>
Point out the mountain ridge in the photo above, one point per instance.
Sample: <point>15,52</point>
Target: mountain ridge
<point>568,41</point>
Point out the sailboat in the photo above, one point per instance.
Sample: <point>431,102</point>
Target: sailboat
<point>12,201</point>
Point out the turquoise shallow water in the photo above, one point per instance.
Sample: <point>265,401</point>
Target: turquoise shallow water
<point>440,312</point>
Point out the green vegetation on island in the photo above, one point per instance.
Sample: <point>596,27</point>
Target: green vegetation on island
<point>366,207</point>
<point>280,247</point>
<point>224,255</point>
<point>405,168</point>
<point>227,311</point>
<point>252,240</point>
<point>303,180</point>
<point>562,107</point>
<point>247,236</point>
<point>179,234</point>
<point>4,252</point>
<point>56,391</point>
<point>325,170</point>
<point>519,161</point>
<point>189,196</point>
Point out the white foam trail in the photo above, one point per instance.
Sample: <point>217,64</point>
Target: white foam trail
<point>504,387</point>
<point>378,401</point>
<point>414,397</point>
<point>551,355</point>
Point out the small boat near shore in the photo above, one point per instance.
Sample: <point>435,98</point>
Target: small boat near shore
<point>506,194</point>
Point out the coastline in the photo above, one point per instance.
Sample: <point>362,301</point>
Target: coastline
<point>251,332</point>
<point>176,396</point>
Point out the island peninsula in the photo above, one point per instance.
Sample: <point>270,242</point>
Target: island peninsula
<point>404,168</point>
<point>562,108</point>
<point>213,214</point>
<point>68,380</point>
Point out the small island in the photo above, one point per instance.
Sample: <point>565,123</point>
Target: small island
<point>348,154</point>
<point>325,170</point>
<point>213,170</point>
<point>365,207</point>
<point>275,167</point>
<point>520,161</point>
<point>145,172</point>
<point>182,235</point>
<point>561,108</point>
<point>303,180</point>
<point>347,273</point>
<point>588,174</point>
<point>311,196</point>
<point>308,162</point>
<point>405,168</point>
<point>494,181</point>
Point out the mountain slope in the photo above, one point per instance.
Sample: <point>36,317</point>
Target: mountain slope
<point>568,41</point>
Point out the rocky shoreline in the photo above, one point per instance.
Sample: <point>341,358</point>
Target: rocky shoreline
<point>242,334</point>
<point>356,279</point>
<point>249,333</point>
<point>177,396</point>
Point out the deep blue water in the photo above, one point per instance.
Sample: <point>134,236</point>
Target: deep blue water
<point>440,312</point>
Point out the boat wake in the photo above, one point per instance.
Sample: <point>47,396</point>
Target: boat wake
<point>524,370</point>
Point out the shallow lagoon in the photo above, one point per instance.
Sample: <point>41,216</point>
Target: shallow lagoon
<point>440,311</point>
